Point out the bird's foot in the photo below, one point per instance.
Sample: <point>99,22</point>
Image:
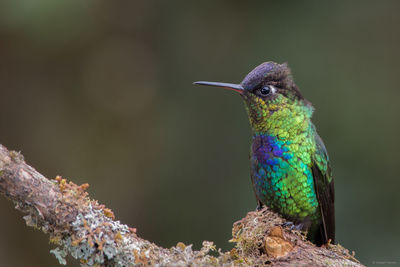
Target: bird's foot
<point>259,206</point>
<point>293,226</point>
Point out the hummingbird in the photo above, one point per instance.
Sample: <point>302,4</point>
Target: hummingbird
<point>290,169</point>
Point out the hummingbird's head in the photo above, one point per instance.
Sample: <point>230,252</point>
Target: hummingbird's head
<point>272,99</point>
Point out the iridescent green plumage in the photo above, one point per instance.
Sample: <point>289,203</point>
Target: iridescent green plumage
<point>289,164</point>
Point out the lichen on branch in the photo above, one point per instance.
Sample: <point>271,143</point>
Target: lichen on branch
<point>88,231</point>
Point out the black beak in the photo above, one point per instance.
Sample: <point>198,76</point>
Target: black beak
<point>230,86</point>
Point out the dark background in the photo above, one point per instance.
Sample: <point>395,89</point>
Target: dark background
<point>100,92</point>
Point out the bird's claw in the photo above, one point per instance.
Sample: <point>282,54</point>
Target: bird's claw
<point>293,226</point>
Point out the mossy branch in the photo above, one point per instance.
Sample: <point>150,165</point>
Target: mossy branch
<point>88,231</point>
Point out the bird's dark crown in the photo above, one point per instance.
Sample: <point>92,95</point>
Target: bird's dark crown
<point>271,73</point>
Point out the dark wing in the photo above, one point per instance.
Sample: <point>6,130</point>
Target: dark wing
<point>324,188</point>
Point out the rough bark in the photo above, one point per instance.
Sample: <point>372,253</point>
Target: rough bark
<point>89,232</point>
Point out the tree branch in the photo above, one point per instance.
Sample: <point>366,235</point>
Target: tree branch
<point>88,231</point>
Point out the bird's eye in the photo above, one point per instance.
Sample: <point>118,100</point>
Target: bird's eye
<point>266,90</point>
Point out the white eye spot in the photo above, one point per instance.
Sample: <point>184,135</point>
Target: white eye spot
<point>273,89</point>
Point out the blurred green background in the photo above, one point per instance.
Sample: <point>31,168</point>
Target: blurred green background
<point>100,92</point>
